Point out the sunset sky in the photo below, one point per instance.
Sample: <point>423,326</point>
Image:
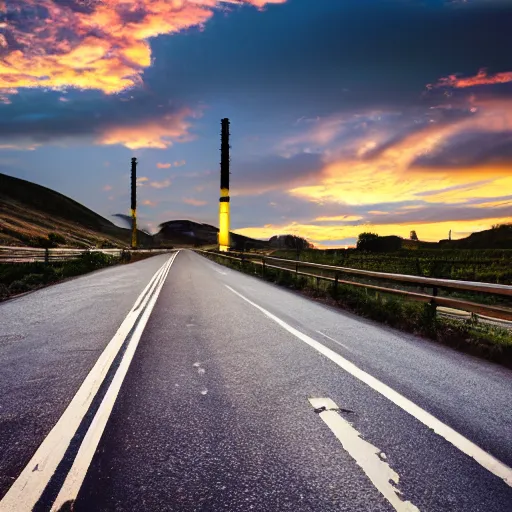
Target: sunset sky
<point>346,115</point>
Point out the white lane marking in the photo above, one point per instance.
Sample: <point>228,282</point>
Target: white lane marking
<point>332,339</point>
<point>367,456</point>
<point>28,487</point>
<point>466,446</point>
<point>76,475</point>
<point>220,271</point>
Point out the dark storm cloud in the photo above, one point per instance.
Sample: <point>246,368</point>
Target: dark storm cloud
<point>324,55</point>
<point>469,149</point>
<point>116,119</point>
<point>264,174</point>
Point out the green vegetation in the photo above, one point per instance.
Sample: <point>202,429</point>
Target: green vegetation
<point>23,277</point>
<point>484,265</point>
<point>477,338</point>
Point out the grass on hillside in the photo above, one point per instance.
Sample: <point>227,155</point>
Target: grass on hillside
<point>477,338</point>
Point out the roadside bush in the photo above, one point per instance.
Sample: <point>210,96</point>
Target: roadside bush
<point>32,280</point>
<point>18,287</point>
<point>4,291</point>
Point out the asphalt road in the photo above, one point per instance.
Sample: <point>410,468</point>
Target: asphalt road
<point>214,411</point>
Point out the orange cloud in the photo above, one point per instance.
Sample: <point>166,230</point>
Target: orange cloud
<point>352,179</point>
<point>103,47</point>
<point>147,202</point>
<point>428,231</point>
<point>339,218</point>
<point>481,78</point>
<point>163,166</point>
<point>106,188</point>
<point>157,133</point>
<point>194,202</point>
<point>179,163</point>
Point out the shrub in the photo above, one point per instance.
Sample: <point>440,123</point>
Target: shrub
<point>18,287</point>
<point>4,291</point>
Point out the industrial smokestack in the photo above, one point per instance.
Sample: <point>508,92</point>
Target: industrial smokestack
<point>134,203</point>
<point>224,188</point>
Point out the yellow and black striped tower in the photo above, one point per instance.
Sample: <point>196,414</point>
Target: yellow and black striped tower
<point>224,188</point>
<point>134,203</point>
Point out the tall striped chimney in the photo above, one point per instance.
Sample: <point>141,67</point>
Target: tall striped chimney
<point>224,188</point>
<point>134,203</point>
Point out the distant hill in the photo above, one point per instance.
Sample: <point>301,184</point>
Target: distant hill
<point>29,211</point>
<point>498,237</point>
<point>194,233</point>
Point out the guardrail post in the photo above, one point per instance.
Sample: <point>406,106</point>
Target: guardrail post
<point>263,265</point>
<point>46,255</point>
<point>336,278</point>
<point>433,301</point>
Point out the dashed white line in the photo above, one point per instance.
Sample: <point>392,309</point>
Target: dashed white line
<point>365,454</point>
<point>466,446</point>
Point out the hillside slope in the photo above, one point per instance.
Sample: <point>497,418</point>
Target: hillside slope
<point>195,233</point>
<point>29,211</point>
<point>499,237</point>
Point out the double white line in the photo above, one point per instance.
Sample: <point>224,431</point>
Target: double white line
<point>55,473</point>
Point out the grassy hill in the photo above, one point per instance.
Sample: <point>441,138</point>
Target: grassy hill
<point>29,211</point>
<point>187,232</point>
<point>498,237</point>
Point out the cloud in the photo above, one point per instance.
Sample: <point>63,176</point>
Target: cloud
<point>429,231</point>
<point>481,78</point>
<point>274,172</point>
<point>468,150</point>
<point>339,218</point>
<point>98,44</point>
<point>155,133</point>
<point>160,184</point>
<point>135,125</point>
<point>147,202</point>
<point>168,165</point>
<point>106,188</point>
<point>194,202</point>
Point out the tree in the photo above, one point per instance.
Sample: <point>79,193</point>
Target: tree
<point>414,236</point>
<point>368,242</point>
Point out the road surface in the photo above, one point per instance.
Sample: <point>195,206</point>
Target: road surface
<point>176,384</point>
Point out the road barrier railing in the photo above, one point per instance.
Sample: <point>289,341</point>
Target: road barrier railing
<point>35,254</point>
<point>341,275</point>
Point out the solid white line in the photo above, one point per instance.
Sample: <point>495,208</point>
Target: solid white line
<point>76,475</point>
<point>28,487</point>
<point>483,458</point>
<point>332,339</point>
<point>365,454</point>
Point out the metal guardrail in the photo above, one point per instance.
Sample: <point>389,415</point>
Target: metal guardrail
<point>336,273</point>
<point>34,254</point>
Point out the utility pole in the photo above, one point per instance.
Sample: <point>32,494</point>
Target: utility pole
<point>224,188</point>
<point>134,203</point>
